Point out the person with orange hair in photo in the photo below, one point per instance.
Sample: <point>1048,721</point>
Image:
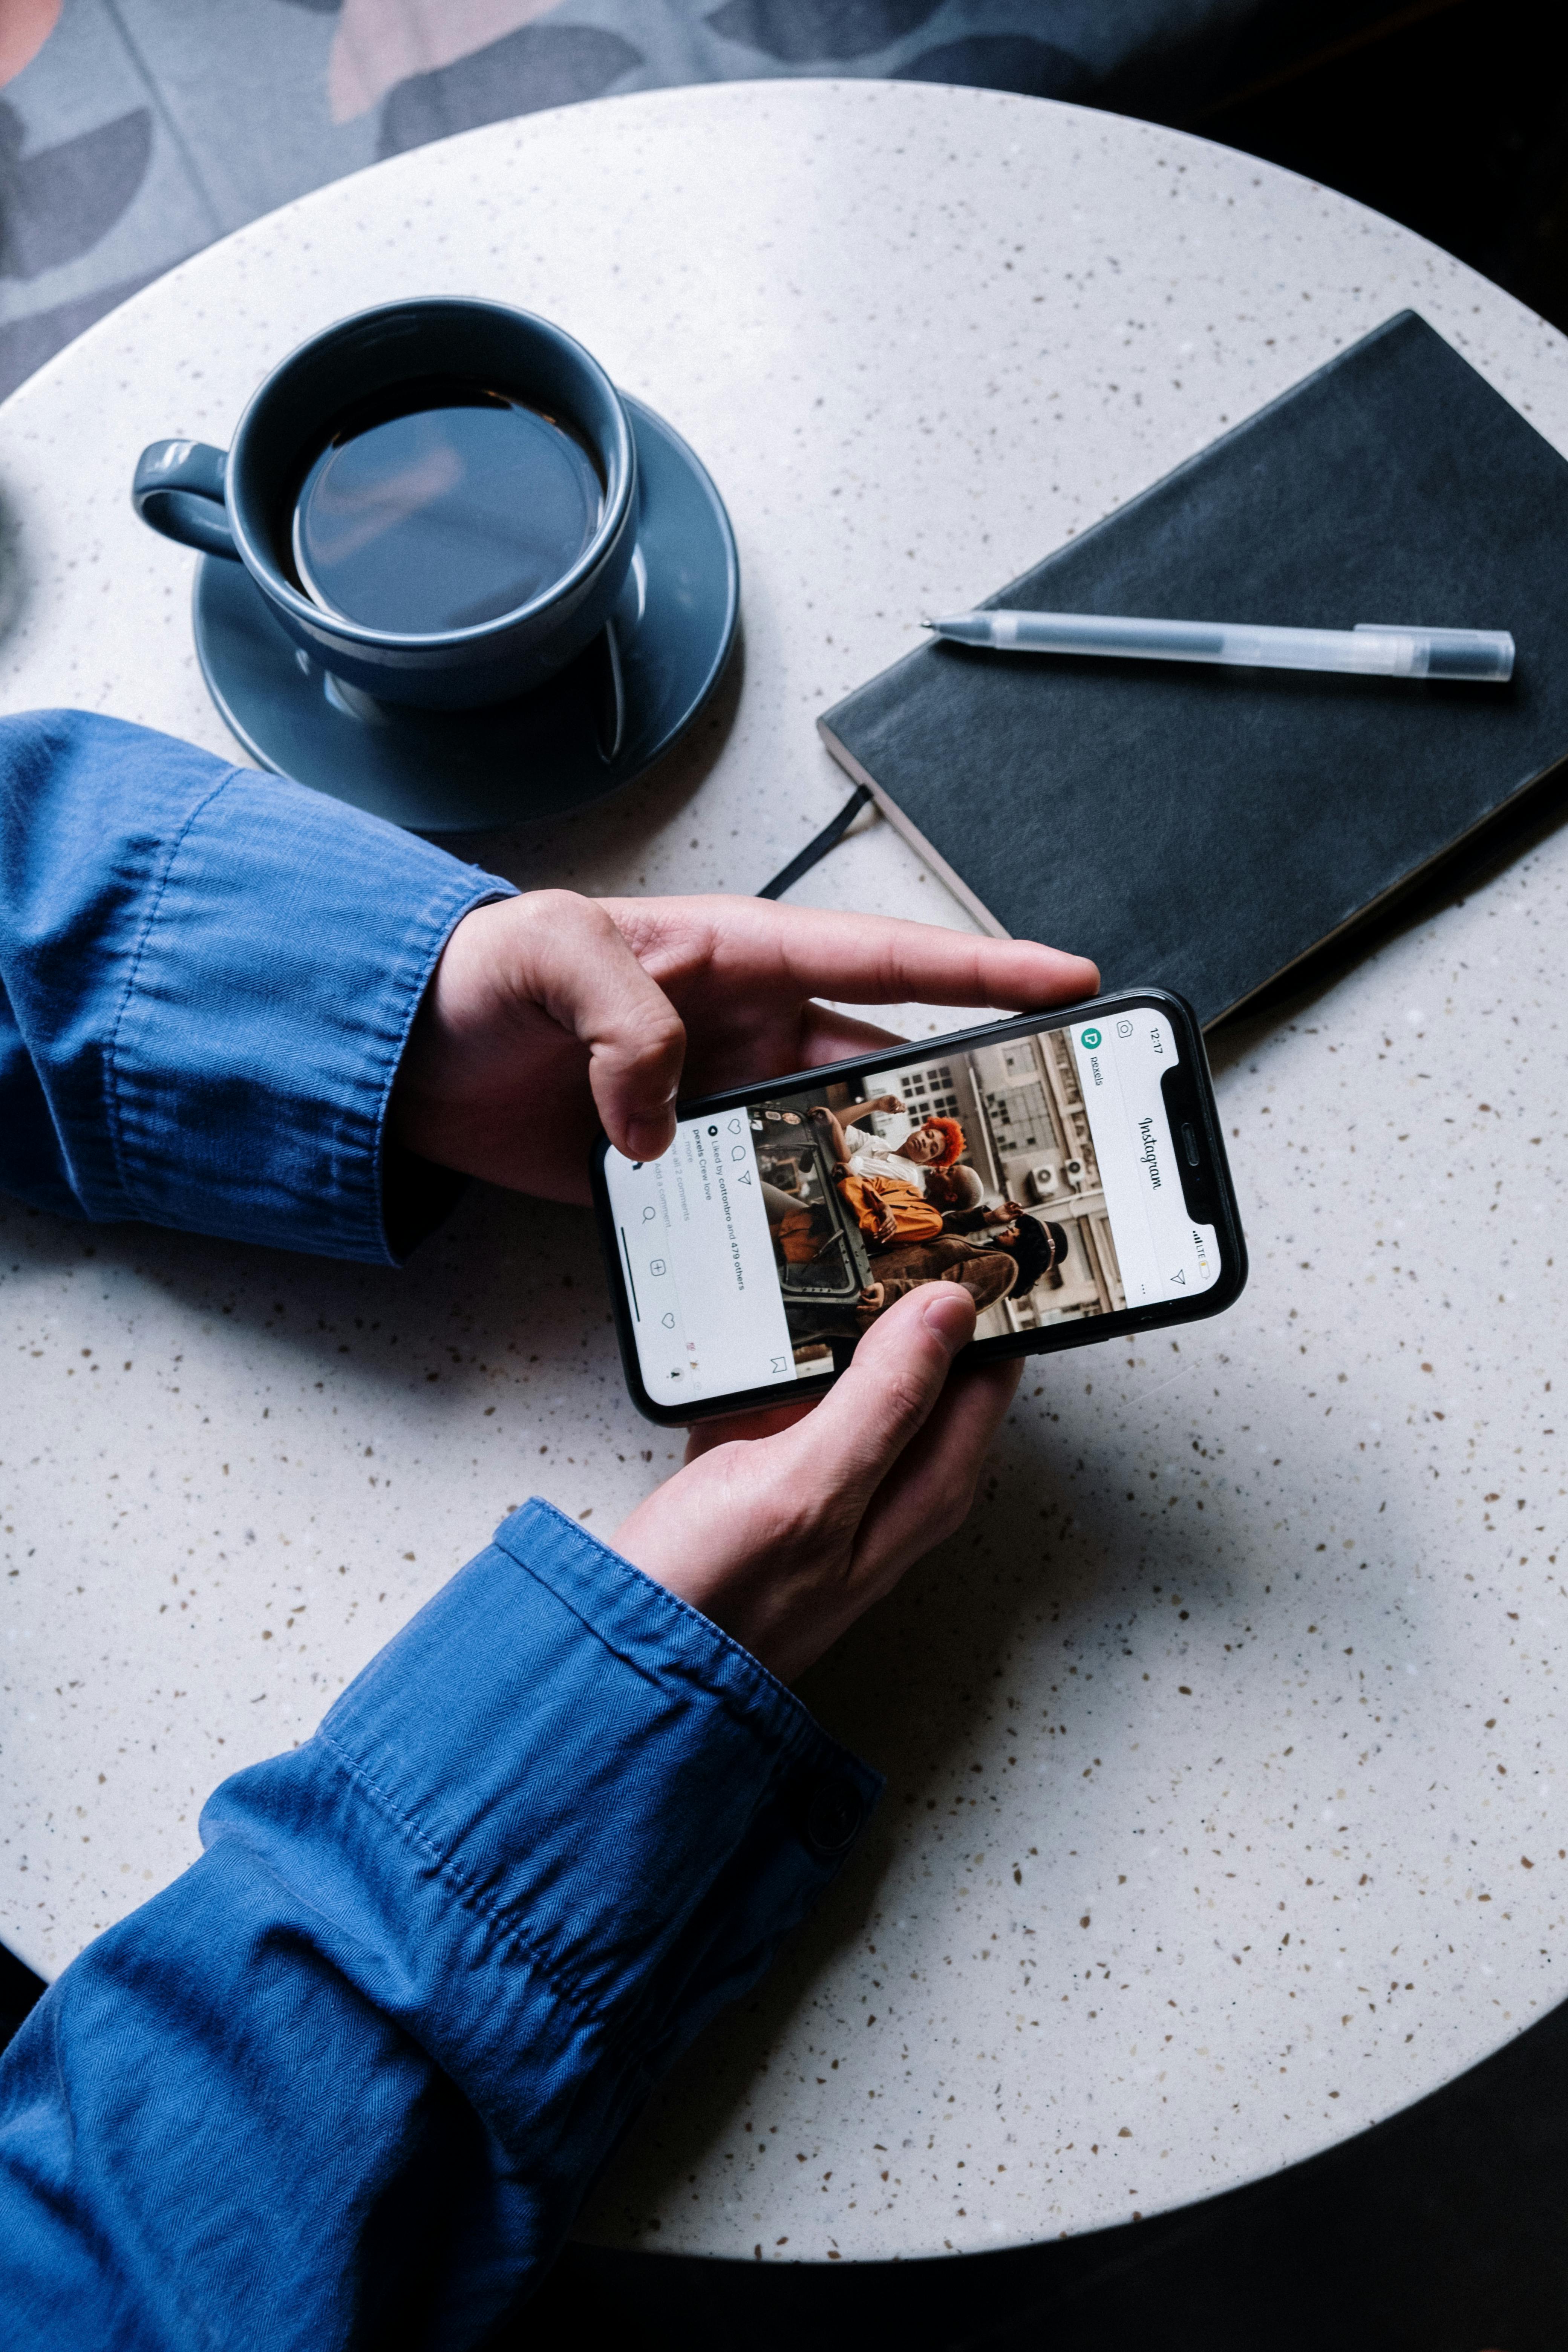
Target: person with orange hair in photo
<point>884,1185</point>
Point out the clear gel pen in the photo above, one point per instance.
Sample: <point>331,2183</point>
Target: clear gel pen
<point>1371,649</point>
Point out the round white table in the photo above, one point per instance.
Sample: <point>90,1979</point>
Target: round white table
<point>1222,1811</point>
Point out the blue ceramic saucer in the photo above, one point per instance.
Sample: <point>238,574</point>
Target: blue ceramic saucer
<point>599,724</point>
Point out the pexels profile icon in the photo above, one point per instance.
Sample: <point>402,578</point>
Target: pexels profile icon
<point>1089,1040</point>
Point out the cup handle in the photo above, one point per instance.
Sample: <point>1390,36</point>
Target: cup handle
<point>178,490</point>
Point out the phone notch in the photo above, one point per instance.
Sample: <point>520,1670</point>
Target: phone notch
<point>1181,1096</point>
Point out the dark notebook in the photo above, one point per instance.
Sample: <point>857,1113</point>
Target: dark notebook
<point>1203,828</point>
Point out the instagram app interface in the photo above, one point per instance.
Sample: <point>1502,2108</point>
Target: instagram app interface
<point>699,1264</point>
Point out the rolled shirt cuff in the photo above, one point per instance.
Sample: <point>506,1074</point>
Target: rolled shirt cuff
<point>562,1818</point>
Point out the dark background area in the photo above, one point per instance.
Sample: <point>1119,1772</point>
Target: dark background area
<point>1448,115</point>
<point>1442,2231</point>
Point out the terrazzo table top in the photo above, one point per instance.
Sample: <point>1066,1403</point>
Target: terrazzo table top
<point>1224,1811</point>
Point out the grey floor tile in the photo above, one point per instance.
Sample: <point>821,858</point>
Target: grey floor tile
<point>535,66</point>
<point>243,85</point>
<point>93,190</point>
<point>82,76</point>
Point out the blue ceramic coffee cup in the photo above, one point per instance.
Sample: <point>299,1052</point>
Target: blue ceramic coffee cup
<point>240,505</point>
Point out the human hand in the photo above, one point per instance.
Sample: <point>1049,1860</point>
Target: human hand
<point>783,1528</point>
<point>887,1226</point>
<point>550,1014</point>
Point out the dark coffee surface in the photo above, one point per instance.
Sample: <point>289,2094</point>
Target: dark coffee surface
<point>444,514</point>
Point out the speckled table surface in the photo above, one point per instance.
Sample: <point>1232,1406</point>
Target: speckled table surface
<point>1223,1746</point>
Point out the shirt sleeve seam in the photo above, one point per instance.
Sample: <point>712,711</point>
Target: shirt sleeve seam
<point>560,1981</point>
<point>111,1058</point>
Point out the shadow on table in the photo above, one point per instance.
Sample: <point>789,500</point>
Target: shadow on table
<point>1439,2232</point>
<point>15,578</point>
<point>506,1285</point>
<point>628,829</point>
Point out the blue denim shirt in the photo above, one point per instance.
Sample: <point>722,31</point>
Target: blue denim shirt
<point>348,2079</point>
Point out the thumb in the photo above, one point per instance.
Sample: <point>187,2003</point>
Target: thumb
<point>847,1446</point>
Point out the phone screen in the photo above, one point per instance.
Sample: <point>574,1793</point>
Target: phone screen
<point>1039,1169</point>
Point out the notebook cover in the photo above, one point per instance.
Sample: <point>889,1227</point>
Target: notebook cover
<point>1200,828</point>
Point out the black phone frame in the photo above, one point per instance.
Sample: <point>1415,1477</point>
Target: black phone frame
<point>1212,1179</point>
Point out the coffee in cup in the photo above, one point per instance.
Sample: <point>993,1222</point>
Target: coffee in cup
<point>445,504</point>
<point>437,499</point>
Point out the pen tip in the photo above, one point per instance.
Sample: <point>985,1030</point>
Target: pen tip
<point>928,625</point>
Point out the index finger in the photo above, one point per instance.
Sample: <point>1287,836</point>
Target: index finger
<point>863,958</point>
<point>569,957</point>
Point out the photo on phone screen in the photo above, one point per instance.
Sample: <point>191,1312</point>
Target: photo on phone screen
<point>1063,1171</point>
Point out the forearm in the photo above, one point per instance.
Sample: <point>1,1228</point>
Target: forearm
<point>364,2059</point>
<point>207,978</point>
<point>838,1143</point>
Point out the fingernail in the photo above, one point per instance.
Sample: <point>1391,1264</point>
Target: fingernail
<point>951,1316</point>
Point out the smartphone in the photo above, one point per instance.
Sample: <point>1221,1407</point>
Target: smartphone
<point>1067,1167</point>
